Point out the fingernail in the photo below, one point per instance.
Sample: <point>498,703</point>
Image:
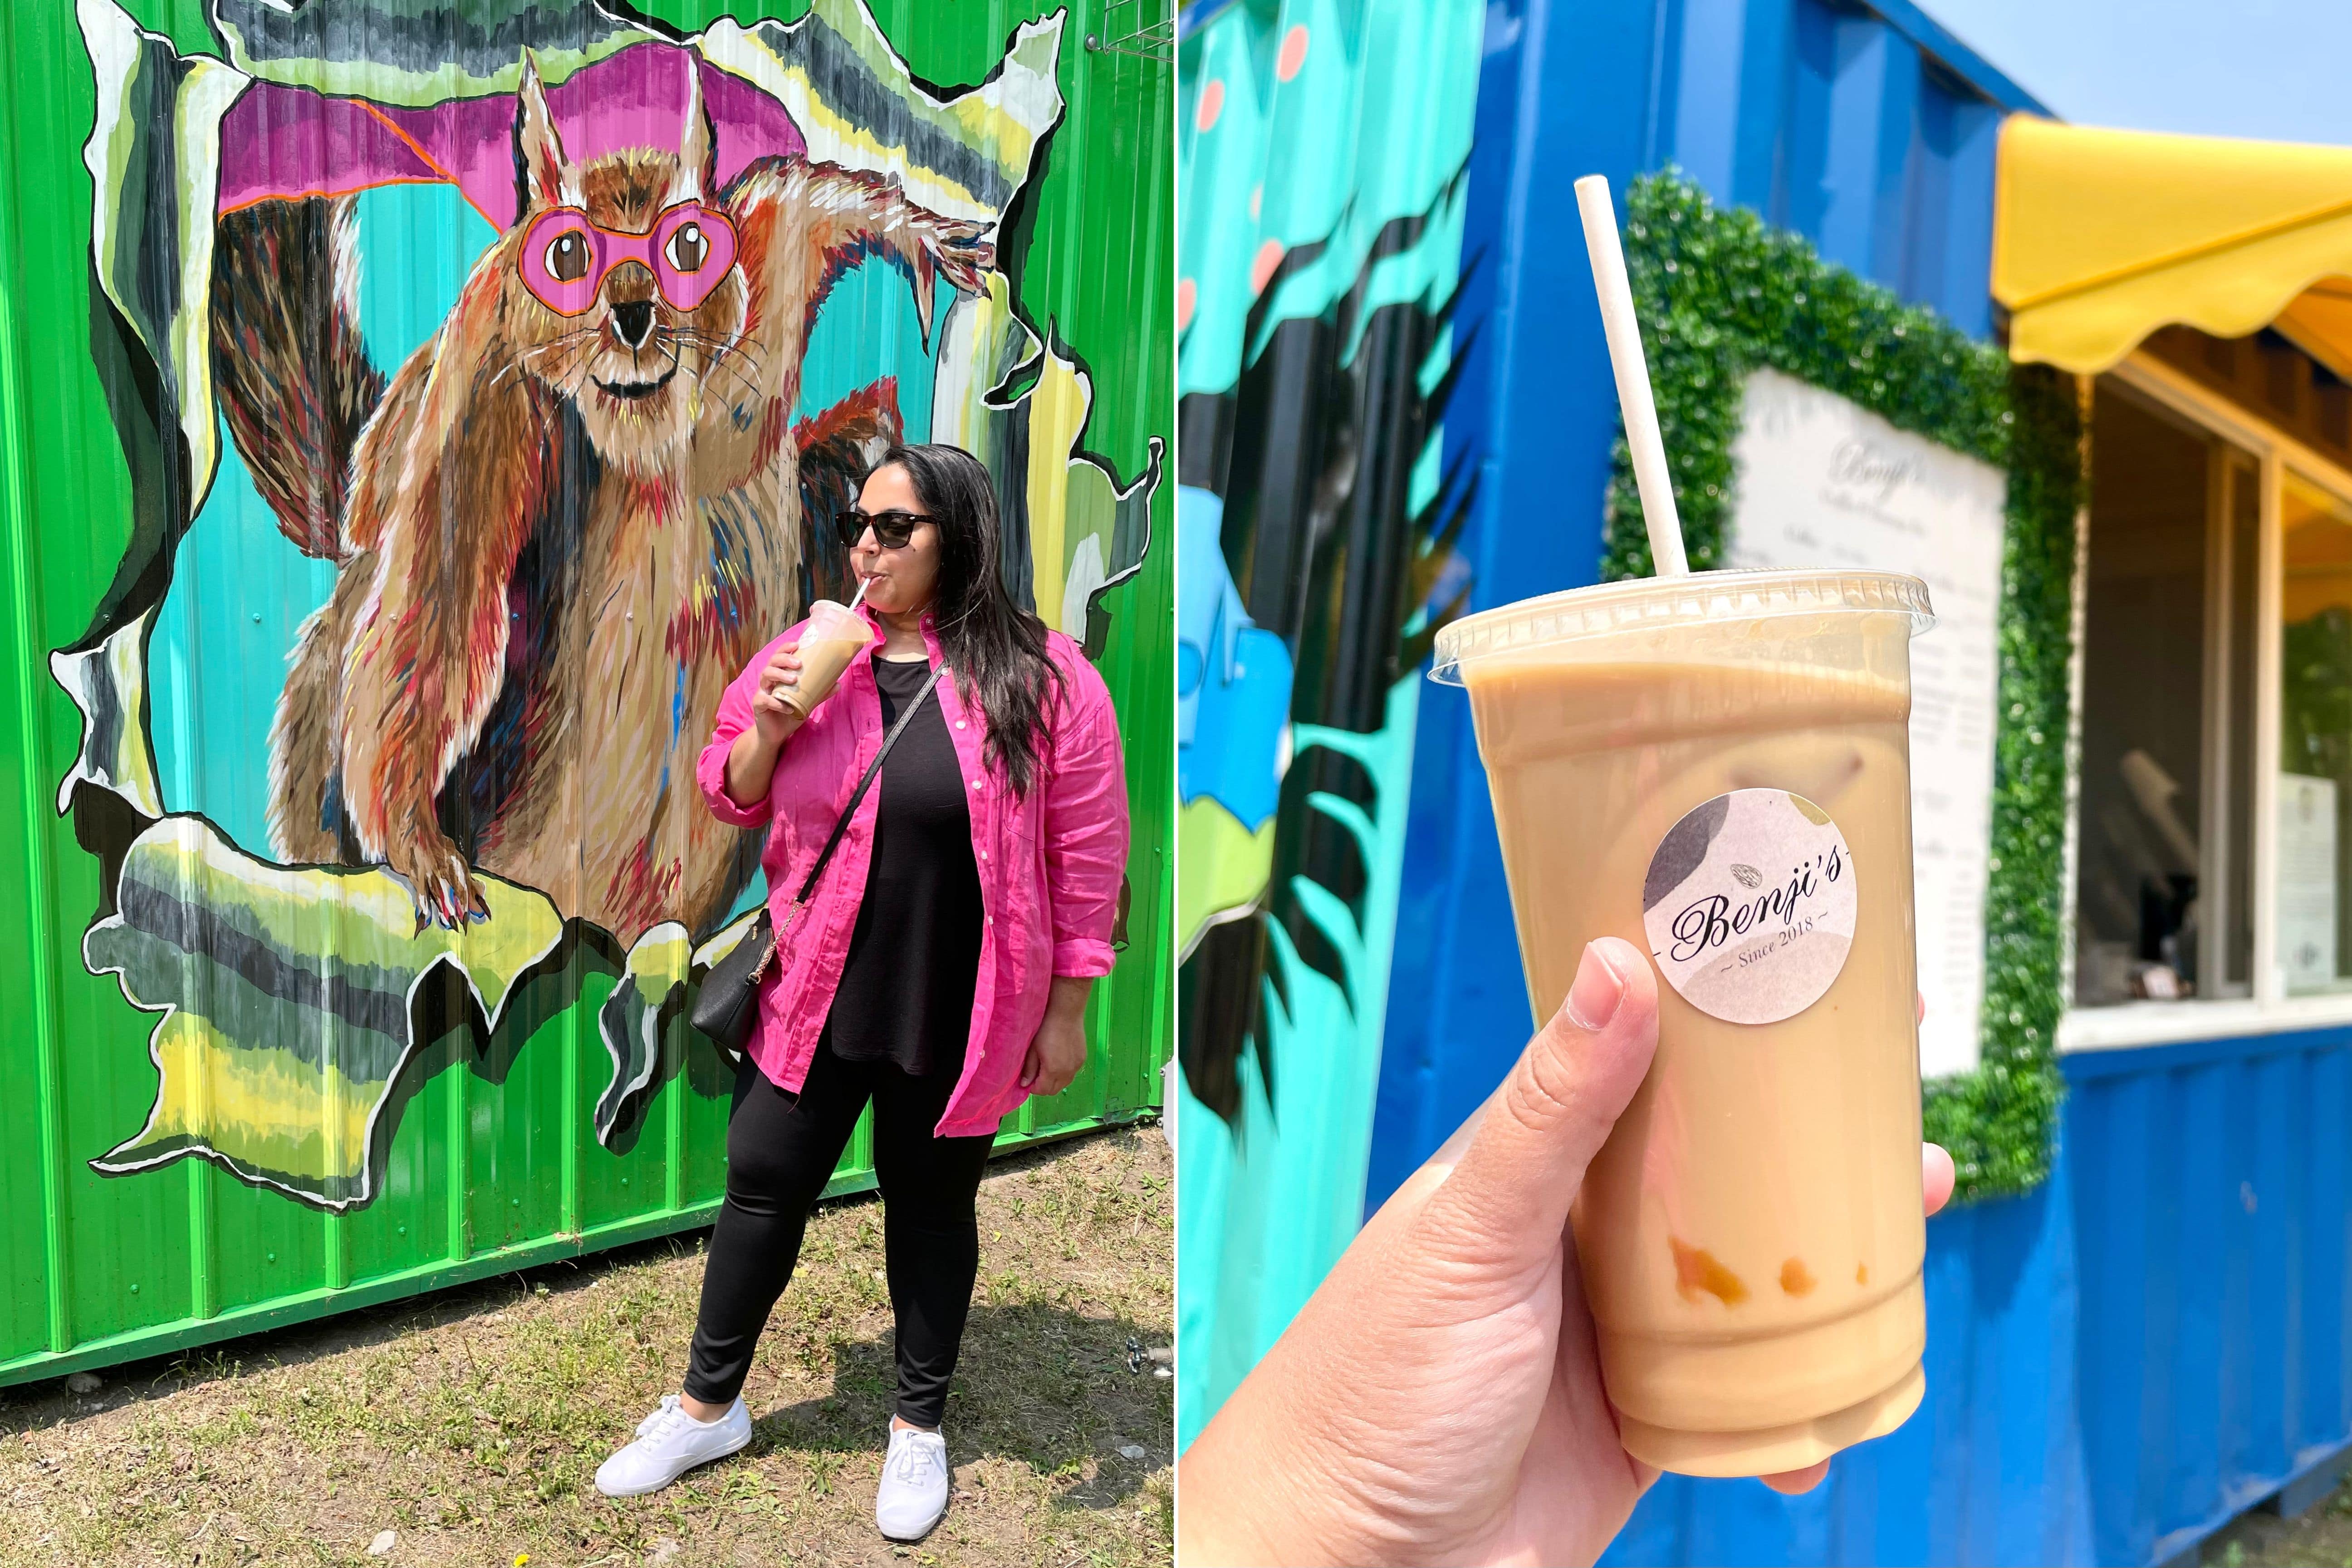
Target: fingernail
<point>1593,1000</point>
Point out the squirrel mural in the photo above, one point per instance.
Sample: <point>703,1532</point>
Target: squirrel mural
<point>566,522</point>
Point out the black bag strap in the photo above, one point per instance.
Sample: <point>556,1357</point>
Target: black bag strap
<point>825,855</point>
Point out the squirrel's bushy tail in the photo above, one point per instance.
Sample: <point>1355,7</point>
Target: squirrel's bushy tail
<point>838,449</point>
<point>291,372</point>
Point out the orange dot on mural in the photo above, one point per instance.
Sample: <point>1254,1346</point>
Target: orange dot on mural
<point>1188,295</point>
<point>1293,55</point>
<point>1211,104</point>
<point>1262,266</point>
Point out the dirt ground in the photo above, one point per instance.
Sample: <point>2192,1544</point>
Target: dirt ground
<point>469,1423</point>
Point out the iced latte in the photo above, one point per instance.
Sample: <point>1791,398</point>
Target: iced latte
<point>1715,768</point>
<point>829,640</point>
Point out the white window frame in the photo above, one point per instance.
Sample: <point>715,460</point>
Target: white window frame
<point>2269,1010</point>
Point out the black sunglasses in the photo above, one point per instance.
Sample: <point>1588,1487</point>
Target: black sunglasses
<point>892,530</point>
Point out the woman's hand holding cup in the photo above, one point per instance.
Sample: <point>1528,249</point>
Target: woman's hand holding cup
<point>776,716</point>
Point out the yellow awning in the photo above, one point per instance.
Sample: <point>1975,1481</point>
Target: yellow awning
<point>2099,237</point>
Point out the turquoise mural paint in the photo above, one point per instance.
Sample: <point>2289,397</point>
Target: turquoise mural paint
<point>1267,1203</point>
<point>1321,150</point>
<point>240,590</point>
<point>870,319</point>
<point>1373,126</point>
<point>416,243</point>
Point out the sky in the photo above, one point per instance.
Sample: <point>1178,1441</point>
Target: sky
<point>2275,69</point>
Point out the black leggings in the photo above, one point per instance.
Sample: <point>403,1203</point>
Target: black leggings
<point>780,1151</point>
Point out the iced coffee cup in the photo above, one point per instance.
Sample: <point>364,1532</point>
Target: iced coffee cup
<point>1715,767</point>
<point>829,640</point>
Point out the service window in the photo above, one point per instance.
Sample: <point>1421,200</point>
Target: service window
<point>2312,938</point>
<point>2165,846</point>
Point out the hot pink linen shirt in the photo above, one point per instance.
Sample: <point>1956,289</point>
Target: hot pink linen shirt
<point>1049,864</point>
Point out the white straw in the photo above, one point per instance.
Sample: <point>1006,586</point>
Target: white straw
<point>860,597</point>
<point>1633,401</point>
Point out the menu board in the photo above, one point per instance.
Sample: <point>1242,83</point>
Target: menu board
<point>1823,483</point>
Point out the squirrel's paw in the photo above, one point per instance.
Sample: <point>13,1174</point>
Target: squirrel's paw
<point>963,256</point>
<point>443,886</point>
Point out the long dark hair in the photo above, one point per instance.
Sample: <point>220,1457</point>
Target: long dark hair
<point>996,649</point>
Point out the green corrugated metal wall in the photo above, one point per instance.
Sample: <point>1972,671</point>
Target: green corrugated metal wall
<point>492,1161</point>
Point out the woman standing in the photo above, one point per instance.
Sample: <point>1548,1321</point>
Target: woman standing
<point>941,968</point>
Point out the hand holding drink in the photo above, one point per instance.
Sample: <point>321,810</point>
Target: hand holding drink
<point>830,638</point>
<point>1732,750</point>
<point>1687,1231</point>
<point>1715,769</point>
<point>1438,1399</point>
<point>775,716</point>
<point>799,675</point>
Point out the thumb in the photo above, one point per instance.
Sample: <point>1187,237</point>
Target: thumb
<point>1509,1191</point>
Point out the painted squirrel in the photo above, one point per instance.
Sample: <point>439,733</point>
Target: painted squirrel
<point>567,522</point>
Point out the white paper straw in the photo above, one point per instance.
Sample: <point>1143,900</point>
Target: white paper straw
<point>1633,400</point>
<point>860,597</point>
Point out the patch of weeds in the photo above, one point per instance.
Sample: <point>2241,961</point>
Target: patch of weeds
<point>236,1425</point>
<point>820,1466</point>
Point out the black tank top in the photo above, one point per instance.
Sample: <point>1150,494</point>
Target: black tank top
<point>906,988</point>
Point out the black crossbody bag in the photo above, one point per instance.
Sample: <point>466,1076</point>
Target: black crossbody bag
<point>730,1000</point>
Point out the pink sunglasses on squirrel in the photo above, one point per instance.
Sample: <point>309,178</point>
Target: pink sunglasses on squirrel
<point>565,259</point>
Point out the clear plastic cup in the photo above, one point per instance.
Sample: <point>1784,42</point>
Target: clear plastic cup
<point>1717,768</point>
<point>829,640</point>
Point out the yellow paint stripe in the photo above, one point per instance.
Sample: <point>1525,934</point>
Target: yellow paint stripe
<point>1222,866</point>
<point>1057,412</point>
<point>658,960</point>
<point>366,916</point>
<point>929,186</point>
<point>133,766</point>
<point>263,1108</point>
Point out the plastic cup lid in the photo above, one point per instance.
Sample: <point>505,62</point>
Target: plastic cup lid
<point>1644,604</point>
<point>824,611</point>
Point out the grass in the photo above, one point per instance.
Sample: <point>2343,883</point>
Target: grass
<point>471,1424</point>
<point>2319,1538</point>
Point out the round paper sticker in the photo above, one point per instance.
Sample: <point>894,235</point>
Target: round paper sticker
<point>1749,905</point>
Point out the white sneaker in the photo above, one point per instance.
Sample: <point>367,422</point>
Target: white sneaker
<point>670,1443</point>
<point>914,1492</point>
